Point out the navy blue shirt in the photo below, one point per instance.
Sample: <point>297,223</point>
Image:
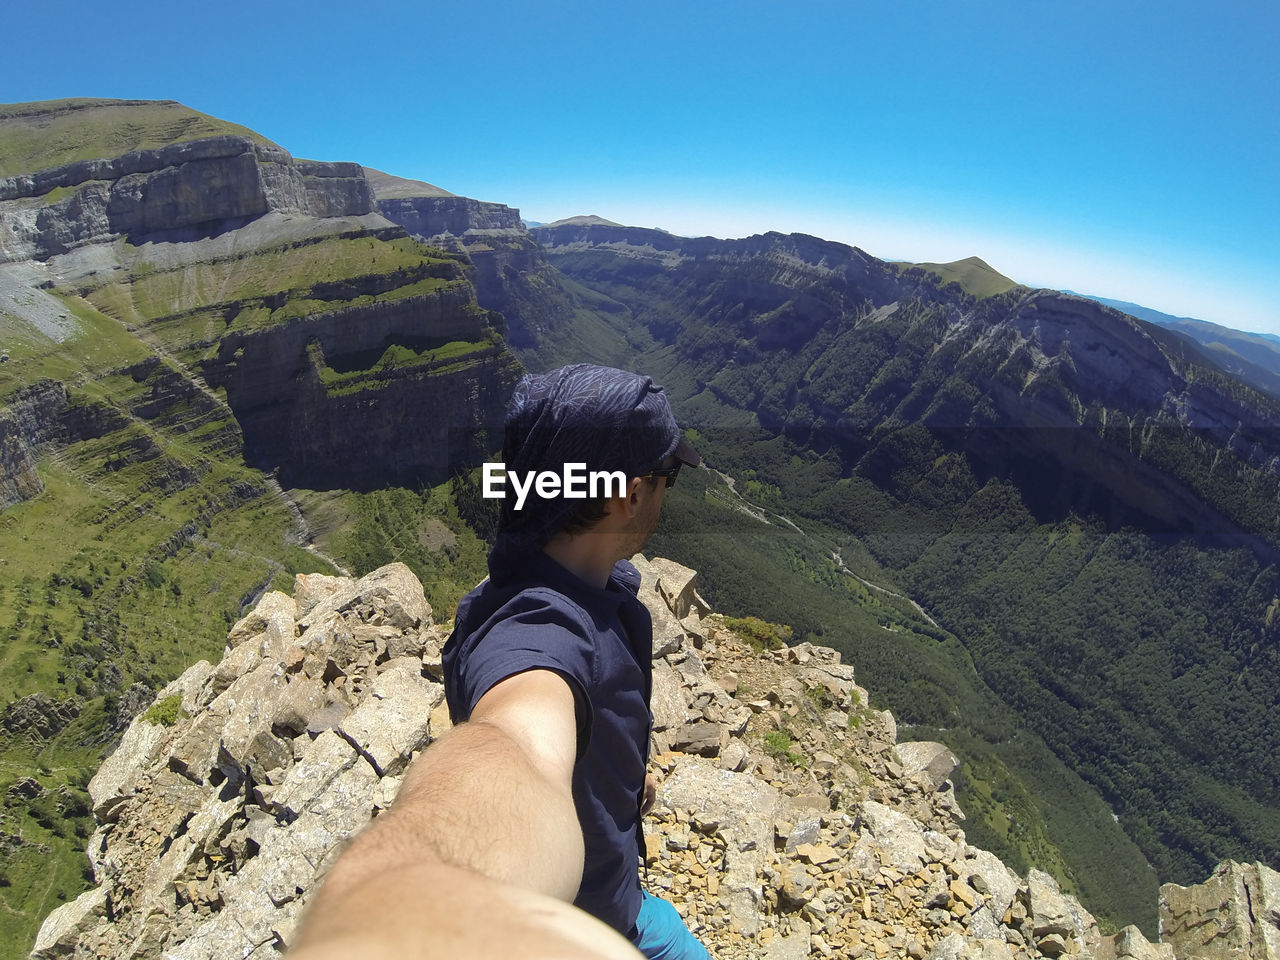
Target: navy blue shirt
<point>532,613</point>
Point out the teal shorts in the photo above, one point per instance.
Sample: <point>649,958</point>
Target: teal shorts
<point>662,935</point>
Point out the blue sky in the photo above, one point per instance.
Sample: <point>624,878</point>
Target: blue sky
<point>1126,149</point>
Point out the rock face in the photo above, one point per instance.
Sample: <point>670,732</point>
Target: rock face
<point>209,206</point>
<point>18,478</point>
<point>1234,914</point>
<point>512,276</point>
<point>417,424</point>
<point>213,181</point>
<point>215,829</point>
<point>36,717</point>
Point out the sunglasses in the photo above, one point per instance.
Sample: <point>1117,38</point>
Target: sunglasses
<point>669,472</point>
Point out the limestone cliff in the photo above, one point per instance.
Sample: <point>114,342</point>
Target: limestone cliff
<point>790,821</point>
<point>512,276</point>
<point>349,355</point>
<point>216,181</point>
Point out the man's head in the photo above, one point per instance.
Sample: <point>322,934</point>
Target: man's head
<point>607,419</point>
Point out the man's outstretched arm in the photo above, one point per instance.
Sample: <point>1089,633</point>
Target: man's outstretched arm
<point>481,852</point>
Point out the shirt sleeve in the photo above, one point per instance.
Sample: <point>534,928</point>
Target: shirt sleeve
<point>531,632</point>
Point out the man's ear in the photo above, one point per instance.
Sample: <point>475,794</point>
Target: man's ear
<point>631,503</point>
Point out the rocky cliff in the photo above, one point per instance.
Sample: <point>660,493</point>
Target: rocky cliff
<point>203,184</point>
<point>273,279</point>
<point>512,276</point>
<point>790,821</point>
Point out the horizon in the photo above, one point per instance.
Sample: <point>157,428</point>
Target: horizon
<point>1127,153</point>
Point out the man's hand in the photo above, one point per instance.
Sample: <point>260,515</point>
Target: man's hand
<point>650,793</point>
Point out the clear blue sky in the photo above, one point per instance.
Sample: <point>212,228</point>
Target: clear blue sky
<point>1126,149</point>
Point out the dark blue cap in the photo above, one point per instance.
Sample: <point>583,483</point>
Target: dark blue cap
<point>605,418</point>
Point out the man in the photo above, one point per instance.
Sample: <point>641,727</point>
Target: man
<point>537,793</point>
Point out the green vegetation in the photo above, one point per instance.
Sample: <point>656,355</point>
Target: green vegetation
<point>1076,646</point>
<point>975,277</point>
<point>778,744</point>
<point>38,136</point>
<point>198,302</point>
<point>761,635</point>
<point>96,343</point>
<point>166,712</point>
<point>400,359</point>
<point>149,538</point>
<point>422,529</point>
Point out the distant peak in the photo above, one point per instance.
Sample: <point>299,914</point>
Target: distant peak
<point>587,220</point>
<point>975,276</point>
<point>388,187</point>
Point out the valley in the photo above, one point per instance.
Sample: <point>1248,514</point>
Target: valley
<point>227,366</point>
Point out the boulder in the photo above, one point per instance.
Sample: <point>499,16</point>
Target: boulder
<point>891,838</point>
<point>1234,914</point>
<point>63,928</point>
<point>930,764</point>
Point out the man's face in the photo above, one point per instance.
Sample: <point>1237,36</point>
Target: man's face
<point>652,492</point>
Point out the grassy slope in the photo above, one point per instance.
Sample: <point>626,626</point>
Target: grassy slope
<point>975,276</point>
<point>37,136</point>
<point>189,307</point>
<point>101,589</point>
<point>147,543</point>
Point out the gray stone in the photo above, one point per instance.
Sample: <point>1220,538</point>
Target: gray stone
<point>735,756</point>
<point>117,778</point>
<point>931,764</point>
<point>675,583</point>
<point>794,946</point>
<point>1235,913</point>
<point>309,589</point>
<point>950,947</point>
<point>983,869</point>
<point>668,697</point>
<point>391,595</point>
<point>395,721</point>
<point>1131,943</point>
<point>324,760</point>
<point>276,614</point>
<point>895,838</point>
<point>983,925</point>
<point>699,737</point>
<point>63,927</point>
<point>1051,913</point>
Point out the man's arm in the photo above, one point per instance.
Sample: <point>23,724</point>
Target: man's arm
<point>480,852</point>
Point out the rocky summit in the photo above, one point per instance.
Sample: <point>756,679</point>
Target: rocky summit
<point>790,820</point>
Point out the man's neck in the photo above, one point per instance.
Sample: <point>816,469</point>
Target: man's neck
<point>587,556</point>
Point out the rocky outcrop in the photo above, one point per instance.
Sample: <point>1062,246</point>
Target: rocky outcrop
<point>18,477</point>
<point>38,417</point>
<point>228,798</point>
<point>1234,915</point>
<point>414,424</point>
<point>512,276</point>
<point>449,217</point>
<point>199,184</point>
<point>37,717</point>
<point>789,821</point>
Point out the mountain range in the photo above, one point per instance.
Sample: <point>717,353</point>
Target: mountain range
<point>1043,529</point>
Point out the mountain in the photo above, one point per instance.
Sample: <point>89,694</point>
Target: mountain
<point>1044,531</point>
<point>1253,357</point>
<point>790,819</point>
<point>975,276</point>
<point>1076,496</point>
<point>189,318</point>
